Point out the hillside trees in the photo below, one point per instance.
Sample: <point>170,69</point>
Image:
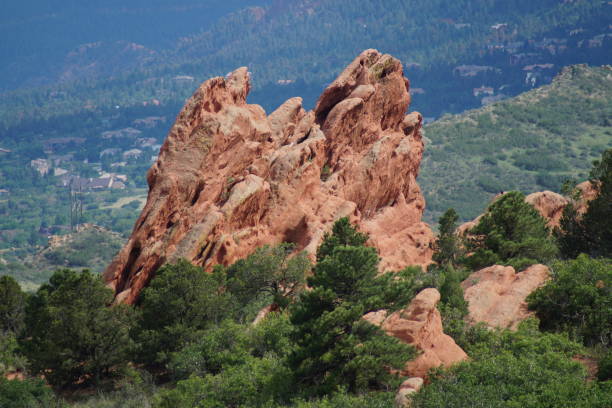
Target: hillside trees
<point>71,333</point>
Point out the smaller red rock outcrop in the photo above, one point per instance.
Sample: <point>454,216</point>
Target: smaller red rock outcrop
<point>408,387</point>
<point>496,294</point>
<point>420,325</point>
<point>550,205</point>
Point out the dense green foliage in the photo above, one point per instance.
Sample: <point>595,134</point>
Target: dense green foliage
<point>31,393</point>
<point>511,232</point>
<point>71,332</point>
<point>12,305</point>
<point>447,248</point>
<point>524,369</point>
<point>181,300</point>
<point>592,232</point>
<point>532,142</point>
<point>335,347</point>
<point>268,272</point>
<point>578,300</point>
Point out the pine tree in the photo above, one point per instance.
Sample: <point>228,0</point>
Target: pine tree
<point>335,347</point>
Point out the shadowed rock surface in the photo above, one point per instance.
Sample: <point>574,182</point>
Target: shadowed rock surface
<point>230,179</point>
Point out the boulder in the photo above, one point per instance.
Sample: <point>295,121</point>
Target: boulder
<point>408,387</point>
<point>496,294</point>
<point>230,179</point>
<point>420,325</point>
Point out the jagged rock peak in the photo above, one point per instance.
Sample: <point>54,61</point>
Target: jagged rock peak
<point>230,179</point>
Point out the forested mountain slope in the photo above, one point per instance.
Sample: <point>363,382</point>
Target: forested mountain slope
<point>296,47</point>
<point>532,142</point>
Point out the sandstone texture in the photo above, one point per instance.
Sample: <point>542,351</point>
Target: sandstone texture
<point>230,179</point>
<point>420,325</point>
<point>550,206</point>
<point>408,387</point>
<point>496,294</point>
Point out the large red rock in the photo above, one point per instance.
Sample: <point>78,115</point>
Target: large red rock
<point>496,294</point>
<point>420,325</point>
<point>230,179</point>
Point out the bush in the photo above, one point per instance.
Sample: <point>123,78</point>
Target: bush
<point>604,371</point>
<point>524,369</point>
<point>577,299</point>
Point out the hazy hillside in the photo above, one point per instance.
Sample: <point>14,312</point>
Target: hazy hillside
<point>69,34</point>
<point>90,248</point>
<point>296,47</point>
<point>532,142</point>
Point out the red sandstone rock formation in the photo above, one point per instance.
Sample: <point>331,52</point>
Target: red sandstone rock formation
<point>420,325</point>
<point>496,295</point>
<point>230,179</point>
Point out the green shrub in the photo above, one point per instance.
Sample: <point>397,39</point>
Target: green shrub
<point>523,369</point>
<point>31,393</point>
<point>577,299</point>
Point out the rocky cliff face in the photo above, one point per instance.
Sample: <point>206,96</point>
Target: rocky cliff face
<point>230,179</point>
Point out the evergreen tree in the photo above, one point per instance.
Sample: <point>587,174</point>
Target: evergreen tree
<point>598,217</point>
<point>591,233</point>
<point>511,232</point>
<point>71,332</point>
<point>181,300</point>
<point>268,272</point>
<point>12,305</point>
<point>335,347</point>
<point>447,247</point>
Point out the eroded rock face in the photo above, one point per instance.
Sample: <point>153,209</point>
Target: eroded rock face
<point>420,325</point>
<point>496,294</point>
<point>230,179</point>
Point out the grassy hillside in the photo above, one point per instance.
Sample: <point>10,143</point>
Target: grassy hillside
<point>532,142</point>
